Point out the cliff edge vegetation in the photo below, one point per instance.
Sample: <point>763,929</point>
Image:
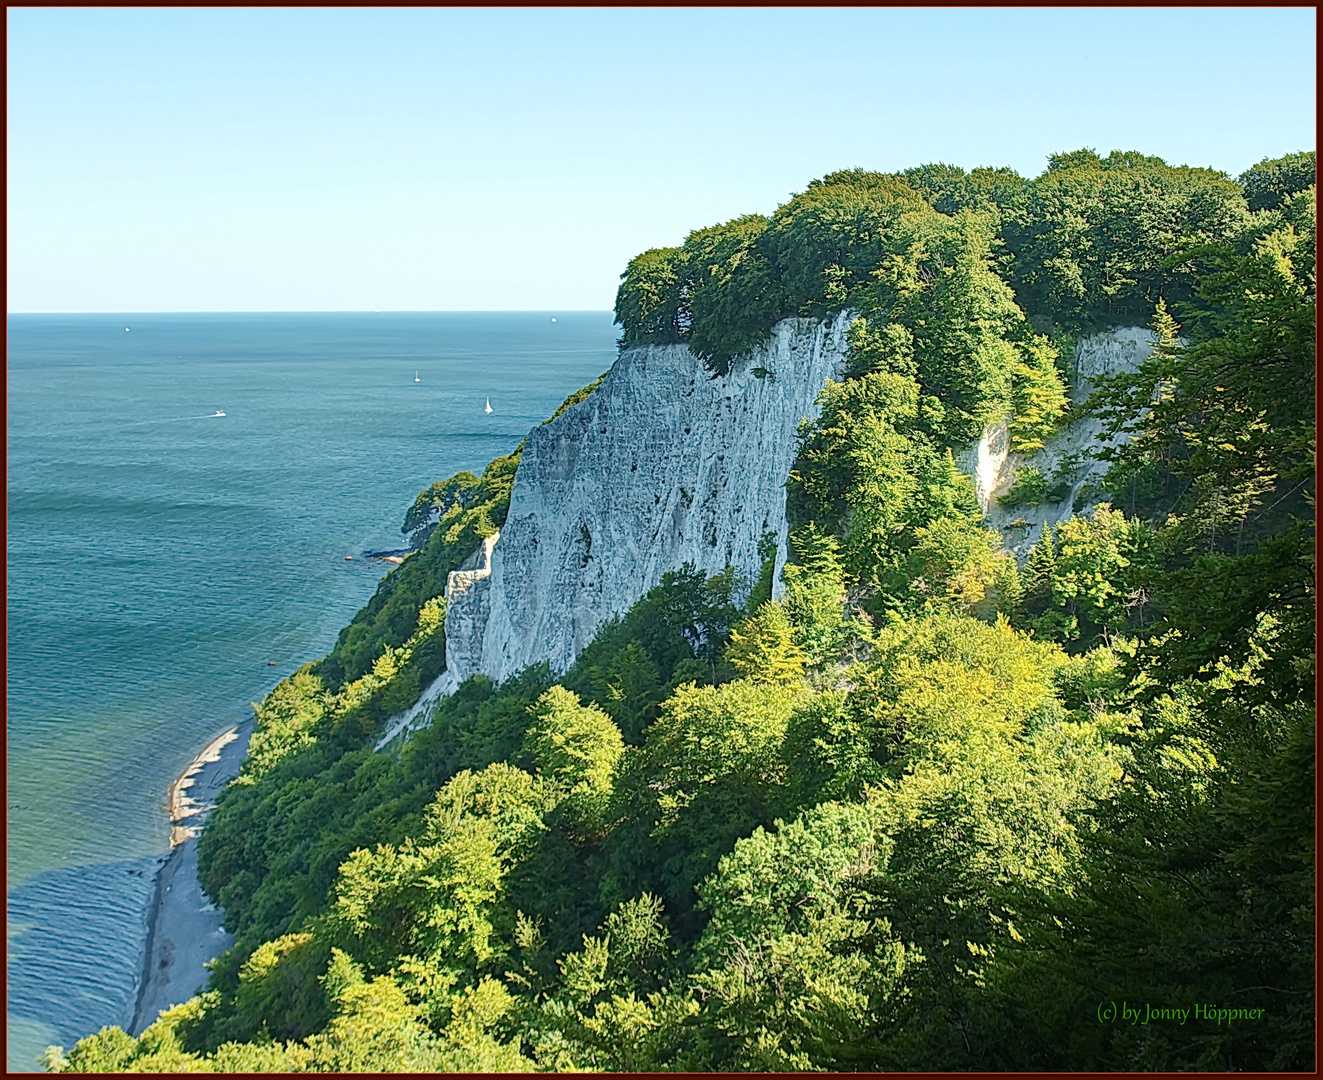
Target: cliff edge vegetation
<point>930,810</point>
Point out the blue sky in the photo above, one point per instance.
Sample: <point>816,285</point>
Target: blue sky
<point>410,159</point>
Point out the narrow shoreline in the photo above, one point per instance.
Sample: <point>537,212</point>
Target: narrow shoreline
<point>148,950</point>
<point>181,922</point>
<point>184,806</point>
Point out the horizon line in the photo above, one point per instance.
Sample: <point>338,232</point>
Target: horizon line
<point>340,311</point>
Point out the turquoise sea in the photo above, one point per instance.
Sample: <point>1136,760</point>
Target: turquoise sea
<point>162,558</point>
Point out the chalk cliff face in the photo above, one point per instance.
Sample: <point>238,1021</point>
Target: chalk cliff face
<point>663,465</point>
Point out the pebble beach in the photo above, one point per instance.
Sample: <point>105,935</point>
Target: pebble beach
<point>184,929</point>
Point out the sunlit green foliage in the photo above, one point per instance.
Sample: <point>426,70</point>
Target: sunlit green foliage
<point>606,1012</point>
<point>1199,883</point>
<point>434,897</point>
<point>954,321</point>
<point>950,189</point>
<point>280,993</point>
<point>1079,584</point>
<point>956,566</point>
<point>816,599</point>
<point>827,241</point>
<point>731,288</point>
<point>866,470</point>
<point>707,774</point>
<point>575,749</point>
<point>1092,242</point>
<point>1027,489</point>
<point>1269,183</point>
<point>763,647</point>
<point>827,933</point>
<point>649,300</point>
<point>790,966</point>
<point>673,635</point>
<point>110,1050</point>
<point>286,719</point>
<point>421,518</point>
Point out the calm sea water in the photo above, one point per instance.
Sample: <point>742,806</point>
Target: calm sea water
<point>161,557</point>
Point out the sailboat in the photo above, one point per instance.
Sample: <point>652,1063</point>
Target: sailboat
<point>415,377</point>
<point>489,405</point>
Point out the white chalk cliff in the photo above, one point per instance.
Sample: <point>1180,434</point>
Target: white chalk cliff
<point>662,465</point>
<point>665,465</point>
<point>1067,455</point>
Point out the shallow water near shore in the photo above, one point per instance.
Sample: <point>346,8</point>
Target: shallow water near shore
<point>168,565</point>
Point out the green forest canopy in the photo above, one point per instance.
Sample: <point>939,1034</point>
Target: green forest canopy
<point>930,810</point>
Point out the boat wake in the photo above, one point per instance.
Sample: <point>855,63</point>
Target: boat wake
<point>177,419</point>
